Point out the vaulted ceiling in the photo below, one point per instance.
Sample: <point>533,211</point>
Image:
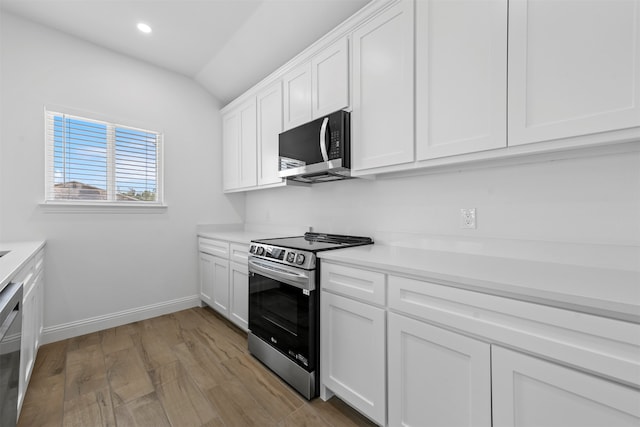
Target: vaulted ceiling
<point>225,45</point>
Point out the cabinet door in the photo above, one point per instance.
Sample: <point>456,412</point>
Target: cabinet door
<point>532,392</point>
<point>353,353</point>
<point>382,116</point>
<point>231,151</point>
<point>574,68</point>
<point>461,76</point>
<point>220,286</point>
<point>436,377</point>
<point>269,127</point>
<point>330,79</point>
<point>248,145</point>
<point>30,306</point>
<point>239,295</point>
<point>239,146</point>
<point>297,96</point>
<point>207,271</point>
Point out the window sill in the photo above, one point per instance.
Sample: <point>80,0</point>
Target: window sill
<point>100,208</point>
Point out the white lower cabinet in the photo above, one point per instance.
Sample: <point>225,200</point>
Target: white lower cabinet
<point>214,282</point>
<point>32,277</point>
<point>206,277</point>
<point>528,391</point>
<point>436,377</point>
<point>224,279</point>
<point>447,362</point>
<point>220,285</point>
<point>352,346</point>
<point>239,294</point>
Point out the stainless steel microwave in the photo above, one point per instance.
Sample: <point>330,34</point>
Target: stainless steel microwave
<point>318,151</point>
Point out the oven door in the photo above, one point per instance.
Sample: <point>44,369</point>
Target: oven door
<point>283,310</point>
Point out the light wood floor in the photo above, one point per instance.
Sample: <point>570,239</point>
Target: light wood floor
<point>189,368</point>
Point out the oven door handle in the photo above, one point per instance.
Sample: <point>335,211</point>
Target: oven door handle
<point>293,278</point>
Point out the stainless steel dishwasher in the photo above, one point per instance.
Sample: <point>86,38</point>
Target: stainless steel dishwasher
<point>10,343</point>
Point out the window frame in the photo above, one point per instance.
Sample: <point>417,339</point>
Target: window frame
<point>111,205</point>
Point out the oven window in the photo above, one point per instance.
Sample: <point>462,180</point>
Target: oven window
<point>280,307</point>
<point>283,316</point>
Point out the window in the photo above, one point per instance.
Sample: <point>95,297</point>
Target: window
<point>93,161</point>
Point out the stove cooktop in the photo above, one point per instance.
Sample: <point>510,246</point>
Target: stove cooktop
<point>299,251</point>
<point>316,242</point>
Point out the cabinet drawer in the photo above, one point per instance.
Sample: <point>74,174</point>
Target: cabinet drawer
<point>213,247</point>
<point>39,261</point>
<point>239,253</point>
<point>26,276</point>
<point>366,285</point>
<point>601,345</point>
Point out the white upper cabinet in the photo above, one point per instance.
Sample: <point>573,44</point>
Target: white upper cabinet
<point>383,71</point>
<point>239,147</point>
<point>317,87</point>
<point>461,77</point>
<point>574,68</point>
<point>230,151</point>
<point>269,127</point>
<point>248,141</point>
<point>297,96</point>
<point>330,79</point>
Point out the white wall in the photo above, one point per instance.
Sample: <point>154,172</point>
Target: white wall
<point>593,200</point>
<point>100,264</point>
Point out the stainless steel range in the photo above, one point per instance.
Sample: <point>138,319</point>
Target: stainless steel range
<point>284,304</point>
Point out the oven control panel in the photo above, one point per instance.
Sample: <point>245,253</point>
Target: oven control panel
<point>293,257</point>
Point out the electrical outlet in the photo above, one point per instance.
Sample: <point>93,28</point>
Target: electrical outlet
<point>468,218</point>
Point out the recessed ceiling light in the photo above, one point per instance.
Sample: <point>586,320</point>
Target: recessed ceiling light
<point>144,27</point>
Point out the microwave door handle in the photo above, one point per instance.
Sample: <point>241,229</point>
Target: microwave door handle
<point>323,138</point>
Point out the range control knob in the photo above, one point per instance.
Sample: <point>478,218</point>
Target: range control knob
<point>300,259</point>
<point>260,250</point>
<point>291,257</point>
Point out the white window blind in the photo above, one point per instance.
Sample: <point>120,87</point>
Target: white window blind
<point>100,162</point>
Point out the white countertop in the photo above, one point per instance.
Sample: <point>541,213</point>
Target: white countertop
<point>607,292</point>
<point>19,254</point>
<point>244,233</point>
<point>239,236</point>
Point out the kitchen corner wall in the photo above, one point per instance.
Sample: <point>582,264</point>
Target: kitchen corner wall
<point>589,200</point>
<point>98,265</point>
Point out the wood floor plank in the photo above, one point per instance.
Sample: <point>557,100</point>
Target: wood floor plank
<point>85,371</point>
<point>166,373</point>
<point>116,339</point>
<point>275,396</point>
<point>167,327</point>
<point>127,376</point>
<point>338,413</point>
<point>236,406</point>
<point>304,416</point>
<point>90,409</point>
<point>221,327</point>
<point>153,349</point>
<point>145,411</point>
<point>201,364</point>
<point>82,341</point>
<point>51,359</point>
<point>191,367</point>
<point>219,347</point>
<point>43,403</point>
<point>184,403</point>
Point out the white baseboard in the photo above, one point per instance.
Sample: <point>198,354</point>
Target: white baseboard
<point>93,324</point>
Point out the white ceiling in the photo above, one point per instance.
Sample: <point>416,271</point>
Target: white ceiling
<point>225,45</point>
